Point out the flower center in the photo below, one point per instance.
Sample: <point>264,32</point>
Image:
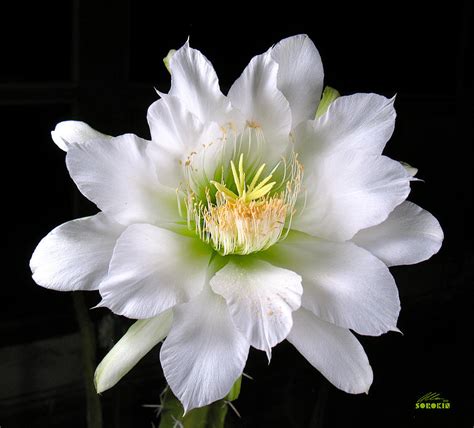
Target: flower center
<point>241,216</point>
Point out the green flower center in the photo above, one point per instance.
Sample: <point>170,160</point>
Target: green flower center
<point>245,214</point>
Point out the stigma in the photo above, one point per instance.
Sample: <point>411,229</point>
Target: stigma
<point>246,213</point>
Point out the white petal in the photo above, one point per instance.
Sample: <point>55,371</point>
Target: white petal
<point>348,191</point>
<point>195,83</point>
<point>261,299</point>
<point>175,127</point>
<point>119,177</point>
<point>355,122</point>
<point>177,136</point>
<point>408,236</point>
<point>333,350</point>
<point>153,269</point>
<point>300,75</point>
<point>256,95</point>
<point>72,131</point>
<point>410,169</point>
<point>76,255</point>
<point>343,284</point>
<point>204,354</point>
<point>140,339</point>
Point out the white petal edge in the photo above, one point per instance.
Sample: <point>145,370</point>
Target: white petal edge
<point>76,255</point>
<point>120,178</point>
<point>204,353</point>
<point>73,131</point>
<point>347,191</point>
<point>179,138</point>
<point>333,351</point>
<point>195,83</point>
<point>139,339</point>
<point>343,284</point>
<point>261,298</point>
<point>152,270</point>
<point>354,122</point>
<point>300,75</point>
<point>409,235</point>
<point>255,93</point>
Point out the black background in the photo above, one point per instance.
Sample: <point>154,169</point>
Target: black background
<point>99,62</point>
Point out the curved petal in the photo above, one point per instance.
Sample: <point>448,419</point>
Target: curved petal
<point>73,131</point>
<point>204,353</point>
<point>172,125</point>
<point>332,350</point>
<point>348,191</point>
<point>408,236</point>
<point>153,269</point>
<point>139,339</point>
<point>343,284</point>
<point>300,75</point>
<point>76,255</point>
<point>255,93</point>
<point>195,83</point>
<point>178,136</point>
<point>119,177</point>
<point>261,299</point>
<point>355,122</point>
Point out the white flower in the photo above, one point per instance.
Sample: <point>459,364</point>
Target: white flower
<point>243,222</point>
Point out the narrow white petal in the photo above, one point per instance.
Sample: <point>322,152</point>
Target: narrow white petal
<point>300,75</point>
<point>261,299</point>
<point>408,236</point>
<point>410,169</point>
<point>153,269</point>
<point>333,350</point>
<point>204,354</point>
<point>140,338</point>
<point>175,127</point>
<point>348,191</point>
<point>178,137</point>
<point>355,122</point>
<point>343,284</point>
<point>195,83</point>
<point>76,255</point>
<point>118,176</point>
<point>72,131</point>
<point>255,93</point>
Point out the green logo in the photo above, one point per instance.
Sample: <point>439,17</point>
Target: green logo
<point>432,400</point>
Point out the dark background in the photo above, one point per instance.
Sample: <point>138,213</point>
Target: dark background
<point>99,62</point>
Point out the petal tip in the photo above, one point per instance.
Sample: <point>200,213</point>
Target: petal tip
<point>397,330</point>
<point>269,355</point>
<point>60,142</point>
<point>99,385</point>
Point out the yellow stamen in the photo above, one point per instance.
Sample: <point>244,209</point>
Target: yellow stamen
<point>236,177</point>
<point>262,191</point>
<point>221,188</point>
<point>256,177</point>
<point>251,218</point>
<point>243,228</point>
<point>246,193</point>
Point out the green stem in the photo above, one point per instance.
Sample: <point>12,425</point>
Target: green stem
<point>210,416</point>
<point>86,330</point>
